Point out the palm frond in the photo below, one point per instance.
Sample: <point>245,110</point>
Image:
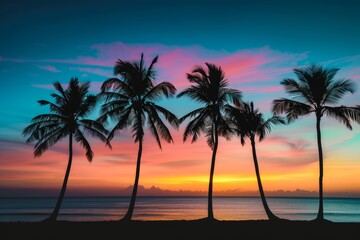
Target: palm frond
<point>60,89</point>
<point>107,96</point>
<point>343,114</point>
<point>336,90</point>
<point>230,95</point>
<point>265,128</point>
<point>299,90</point>
<point>112,110</point>
<point>79,137</point>
<point>37,132</point>
<point>36,125</point>
<point>60,100</point>
<point>169,116</point>
<point>164,131</point>
<point>198,76</point>
<point>87,105</point>
<point>191,114</point>
<point>53,107</point>
<point>122,123</point>
<point>72,104</point>
<point>137,126</point>
<point>111,83</point>
<point>293,109</point>
<point>210,88</point>
<point>48,140</point>
<point>195,126</point>
<point>154,131</point>
<point>210,135</point>
<point>224,128</point>
<point>197,93</point>
<point>49,117</point>
<point>150,71</point>
<point>162,89</point>
<point>96,129</point>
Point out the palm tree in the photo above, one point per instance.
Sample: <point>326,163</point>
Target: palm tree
<point>209,88</point>
<point>71,107</point>
<point>316,91</point>
<point>130,103</point>
<point>249,122</point>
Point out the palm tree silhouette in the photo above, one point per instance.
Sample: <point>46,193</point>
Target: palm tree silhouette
<point>71,106</point>
<point>249,122</point>
<point>209,88</point>
<point>314,92</point>
<point>130,103</point>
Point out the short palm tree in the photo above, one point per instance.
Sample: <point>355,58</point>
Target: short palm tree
<point>67,119</point>
<point>129,102</point>
<point>249,122</point>
<point>209,88</point>
<point>316,91</point>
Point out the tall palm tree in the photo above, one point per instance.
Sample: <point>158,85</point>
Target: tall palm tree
<point>316,91</point>
<point>129,102</point>
<point>71,107</point>
<point>250,122</point>
<point>209,88</point>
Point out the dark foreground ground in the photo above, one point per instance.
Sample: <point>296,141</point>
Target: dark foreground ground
<point>197,229</point>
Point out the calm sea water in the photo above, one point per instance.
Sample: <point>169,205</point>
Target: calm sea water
<point>177,208</point>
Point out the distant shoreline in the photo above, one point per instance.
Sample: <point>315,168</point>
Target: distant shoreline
<point>182,229</point>
<point>159,192</point>
<point>82,196</point>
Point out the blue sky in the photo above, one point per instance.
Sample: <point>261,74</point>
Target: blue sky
<point>257,43</point>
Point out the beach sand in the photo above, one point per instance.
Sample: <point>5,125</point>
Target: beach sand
<point>195,229</point>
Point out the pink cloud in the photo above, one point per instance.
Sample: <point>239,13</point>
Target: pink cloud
<point>246,65</point>
<point>49,68</point>
<point>293,144</point>
<point>356,77</point>
<point>241,66</point>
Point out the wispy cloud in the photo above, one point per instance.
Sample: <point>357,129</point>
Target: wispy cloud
<point>15,173</point>
<point>293,144</point>
<point>44,86</point>
<point>97,71</point>
<point>241,66</point>
<point>48,68</point>
<point>246,65</point>
<point>183,163</point>
<point>17,60</point>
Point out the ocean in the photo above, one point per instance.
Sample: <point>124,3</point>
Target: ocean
<point>177,208</point>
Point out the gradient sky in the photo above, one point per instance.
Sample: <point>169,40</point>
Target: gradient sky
<point>257,43</point>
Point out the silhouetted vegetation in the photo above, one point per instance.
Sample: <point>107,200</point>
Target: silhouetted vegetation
<point>249,122</point>
<point>209,88</point>
<point>71,107</point>
<point>129,102</point>
<point>316,91</point>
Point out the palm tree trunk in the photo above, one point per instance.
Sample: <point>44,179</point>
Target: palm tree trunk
<point>269,214</point>
<point>210,191</point>
<point>55,213</point>
<point>130,211</point>
<point>320,215</point>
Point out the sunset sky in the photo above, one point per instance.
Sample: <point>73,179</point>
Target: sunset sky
<point>257,44</point>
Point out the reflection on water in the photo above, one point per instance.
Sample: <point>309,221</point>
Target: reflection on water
<point>177,208</point>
